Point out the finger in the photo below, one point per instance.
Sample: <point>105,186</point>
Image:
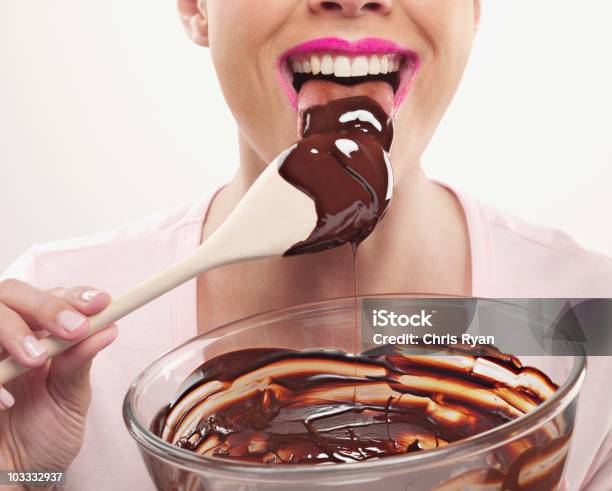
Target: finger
<point>85,299</point>
<point>44,310</point>
<point>19,340</point>
<point>6,399</point>
<point>69,372</point>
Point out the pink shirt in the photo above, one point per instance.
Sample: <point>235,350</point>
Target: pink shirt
<point>510,258</point>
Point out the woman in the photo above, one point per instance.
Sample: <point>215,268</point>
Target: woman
<point>433,239</point>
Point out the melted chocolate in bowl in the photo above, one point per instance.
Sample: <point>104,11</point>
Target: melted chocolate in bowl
<point>280,406</point>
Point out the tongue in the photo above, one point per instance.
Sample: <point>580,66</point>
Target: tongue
<point>320,92</point>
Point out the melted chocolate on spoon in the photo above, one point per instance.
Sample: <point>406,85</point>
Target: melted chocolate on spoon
<point>342,164</point>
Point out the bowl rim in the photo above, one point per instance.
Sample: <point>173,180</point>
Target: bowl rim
<point>475,444</point>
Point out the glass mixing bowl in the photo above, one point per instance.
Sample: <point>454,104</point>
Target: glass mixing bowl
<point>528,453</point>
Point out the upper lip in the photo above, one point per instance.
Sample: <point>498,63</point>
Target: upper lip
<point>366,46</point>
<point>339,45</point>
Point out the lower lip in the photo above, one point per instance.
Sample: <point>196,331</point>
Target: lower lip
<point>407,73</point>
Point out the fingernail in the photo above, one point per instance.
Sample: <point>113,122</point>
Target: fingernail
<point>89,295</point>
<point>33,347</point>
<point>6,398</point>
<point>70,320</point>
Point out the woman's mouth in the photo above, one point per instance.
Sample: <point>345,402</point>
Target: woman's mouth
<point>325,69</point>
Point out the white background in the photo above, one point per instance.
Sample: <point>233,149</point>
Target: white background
<point>106,112</point>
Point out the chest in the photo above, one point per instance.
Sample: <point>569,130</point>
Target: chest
<point>241,290</point>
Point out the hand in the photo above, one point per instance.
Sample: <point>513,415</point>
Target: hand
<point>43,412</point>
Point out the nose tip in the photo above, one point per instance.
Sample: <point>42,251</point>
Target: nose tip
<point>350,8</point>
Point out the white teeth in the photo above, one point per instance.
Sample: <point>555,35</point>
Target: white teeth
<point>342,67</point>
<point>384,64</point>
<point>346,66</point>
<point>315,64</point>
<point>327,65</point>
<point>374,65</point>
<point>360,67</point>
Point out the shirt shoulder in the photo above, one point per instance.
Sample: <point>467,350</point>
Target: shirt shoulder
<point>543,261</point>
<point>150,225</point>
<point>129,247</point>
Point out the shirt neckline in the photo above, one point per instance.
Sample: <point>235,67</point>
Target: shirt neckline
<point>479,237</point>
<point>184,298</point>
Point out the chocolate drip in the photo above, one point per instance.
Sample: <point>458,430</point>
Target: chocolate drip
<point>342,164</point>
<point>316,406</point>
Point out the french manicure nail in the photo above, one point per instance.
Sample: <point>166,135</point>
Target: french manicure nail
<point>70,320</point>
<point>33,347</point>
<point>89,295</point>
<point>6,398</point>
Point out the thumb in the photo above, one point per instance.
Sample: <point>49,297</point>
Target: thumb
<point>68,379</point>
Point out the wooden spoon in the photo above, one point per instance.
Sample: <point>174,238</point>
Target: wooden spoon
<point>271,217</point>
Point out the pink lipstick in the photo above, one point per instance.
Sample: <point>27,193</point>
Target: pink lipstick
<point>350,64</point>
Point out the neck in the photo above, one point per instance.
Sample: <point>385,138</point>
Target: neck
<point>251,166</point>
<point>422,243</point>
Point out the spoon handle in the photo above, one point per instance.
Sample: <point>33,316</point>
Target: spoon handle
<point>119,307</point>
